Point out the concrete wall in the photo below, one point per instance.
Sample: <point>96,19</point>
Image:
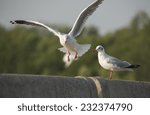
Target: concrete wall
<point>69,87</point>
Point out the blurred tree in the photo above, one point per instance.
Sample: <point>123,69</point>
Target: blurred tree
<point>140,20</point>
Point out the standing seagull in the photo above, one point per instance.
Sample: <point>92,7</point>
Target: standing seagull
<point>70,45</point>
<point>111,63</point>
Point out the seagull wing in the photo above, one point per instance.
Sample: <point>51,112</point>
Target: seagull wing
<point>78,25</point>
<point>118,63</point>
<point>34,23</point>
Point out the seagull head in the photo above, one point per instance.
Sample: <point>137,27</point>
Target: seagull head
<point>100,49</point>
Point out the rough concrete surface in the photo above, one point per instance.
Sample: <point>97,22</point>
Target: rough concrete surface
<point>37,86</point>
<point>125,89</point>
<point>44,86</point>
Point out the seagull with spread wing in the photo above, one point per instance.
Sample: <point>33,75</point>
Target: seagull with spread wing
<point>68,41</point>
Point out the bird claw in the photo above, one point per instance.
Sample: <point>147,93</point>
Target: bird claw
<point>68,59</point>
<point>76,56</point>
<point>68,56</point>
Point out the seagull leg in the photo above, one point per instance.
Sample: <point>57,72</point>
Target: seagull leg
<point>76,55</point>
<point>110,75</point>
<point>68,56</point>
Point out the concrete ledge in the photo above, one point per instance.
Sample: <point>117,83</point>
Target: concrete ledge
<point>30,86</point>
<point>125,89</point>
<point>45,86</point>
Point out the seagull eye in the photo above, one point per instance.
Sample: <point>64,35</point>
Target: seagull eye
<point>101,48</point>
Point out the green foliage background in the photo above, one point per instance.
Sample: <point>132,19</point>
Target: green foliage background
<point>30,50</point>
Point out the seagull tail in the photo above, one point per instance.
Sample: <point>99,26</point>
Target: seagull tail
<point>133,66</point>
<point>82,49</point>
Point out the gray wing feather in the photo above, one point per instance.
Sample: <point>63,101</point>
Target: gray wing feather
<point>118,62</point>
<point>78,25</point>
<point>34,23</point>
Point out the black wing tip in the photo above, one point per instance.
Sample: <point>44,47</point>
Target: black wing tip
<point>17,22</point>
<point>12,22</point>
<point>133,66</point>
<point>100,1</point>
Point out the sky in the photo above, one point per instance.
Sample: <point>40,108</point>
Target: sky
<point>111,14</point>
